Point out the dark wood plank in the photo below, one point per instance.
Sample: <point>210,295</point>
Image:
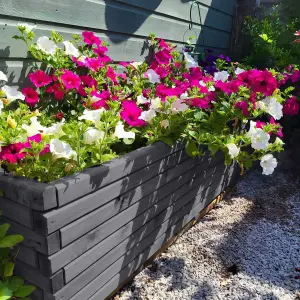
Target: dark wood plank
<point>51,285</point>
<point>17,212</point>
<point>46,245</point>
<point>37,195</point>
<point>29,256</point>
<point>92,179</point>
<point>55,219</point>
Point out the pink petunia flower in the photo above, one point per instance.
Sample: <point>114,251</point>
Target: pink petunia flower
<point>94,64</point>
<point>131,113</point>
<point>291,107</point>
<point>57,90</point>
<point>90,39</point>
<point>111,75</point>
<point>243,106</point>
<point>70,80</point>
<point>201,103</point>
<point>100,50</point>
<point>40,78</point>
<point>279,132</point>
<point>163,57</point>
<point>31,96</point>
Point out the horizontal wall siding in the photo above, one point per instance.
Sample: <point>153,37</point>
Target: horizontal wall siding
<point>125,24</point>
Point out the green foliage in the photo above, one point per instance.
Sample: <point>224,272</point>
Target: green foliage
<point>272,40</point>
<point>11,287</point>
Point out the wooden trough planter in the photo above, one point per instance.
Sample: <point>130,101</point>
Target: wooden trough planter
<point>87,233</point>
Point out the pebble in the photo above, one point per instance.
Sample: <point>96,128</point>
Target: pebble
<point>248,248</point>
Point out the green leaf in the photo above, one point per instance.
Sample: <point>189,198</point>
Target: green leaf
<point>5,293</point>
<point>213,149</point>
<point>1,193</point>
<point>128,141</point>
<point>166,140</point>
<point>8,269</point>
<point>15,282</point>
<point>3,230</point>
<point>24,291</point>
<point>11,240</point>
<point>191,148</point>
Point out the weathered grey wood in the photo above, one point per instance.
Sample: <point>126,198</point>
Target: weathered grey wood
<point>88,222</point>
<point>58,218</point>
<point>15,211</point>
<point>172,205</point>
<point>51,285</point>
<point>92,179</point>
<point>46,245</point>
<point>28,256</point>
<point>101,15</point>
<point>39,196</point>
<point>64,256</point>
<point>181,10</point>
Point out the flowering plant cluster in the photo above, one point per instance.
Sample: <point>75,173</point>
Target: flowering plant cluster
<point>81,112</point>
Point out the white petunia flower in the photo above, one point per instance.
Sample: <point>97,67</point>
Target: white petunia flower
<point>178,106</point>
<point>223,76</point>
<point>92,115</point>
<point>60,149</point>
<point>239,71</point>
<point>211,89</point>
<point>46,45</point>
<point>70,49</point>
<point>273,107</point>
<point>92,135</point>
<point>120,133</point>
<point>165,124</point>
<point>148,115</point>
<point>260,140</point>
<point>252,129</point>
<point>184,96</point>
<point>3,77</point>
<point>55,129</point>
<point>27,26</point>
<point>233,150</point>
<point>202,83</point>
<point>12,94</point>
<point>142,100</point>
<point>189,60</point>
<point>278,141</point>
<point>155,103</point>
<point>153,76</point>
<point>261,105</point>
<point>268,163</point>
<point>34,128</point>
<point>136,64</point>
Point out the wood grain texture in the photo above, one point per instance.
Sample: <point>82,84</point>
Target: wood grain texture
<point>39,196</point>
<point>48,222</point>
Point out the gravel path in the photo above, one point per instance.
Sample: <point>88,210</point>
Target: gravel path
<point>247,248</point>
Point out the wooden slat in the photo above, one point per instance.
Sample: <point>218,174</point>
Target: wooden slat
<point>46,245</point>
<point>98,14</point>
<point>58,218</point>
<point>51,285</point>
<point>27,192</point>
<point>181,10</point>
<point>85,182</point>
<point>28,255</point>
<point>170,191</point>
<point>15,211</point>
<point>76,267</point>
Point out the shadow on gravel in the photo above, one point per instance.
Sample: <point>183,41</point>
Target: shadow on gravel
<point>263,244</point>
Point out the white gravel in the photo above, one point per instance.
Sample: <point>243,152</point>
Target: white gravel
<point>247,248</point>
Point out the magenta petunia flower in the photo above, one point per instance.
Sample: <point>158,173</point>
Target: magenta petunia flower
<point>291,107</point>
<point>260,124</point>
<point>31,96</point>
<point>279,132</point>
<point>243,106</point>
<point>57,90</point>
<point>111,75</point>
<point>70,80</point>
<point>40,78</point>
<point>262,81</point>
<point>163,57</point>
<point>295,76</point>
<point>100,50</point>
<point>163,91</point>
<point>201,103</point>
<point>94,63</point>
<point>131,113</point>
<point>90,39</point>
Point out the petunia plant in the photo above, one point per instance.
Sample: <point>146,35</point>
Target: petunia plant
<point>80,112</point>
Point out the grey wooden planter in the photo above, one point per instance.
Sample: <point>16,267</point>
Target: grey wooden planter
<point>87,233</point>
